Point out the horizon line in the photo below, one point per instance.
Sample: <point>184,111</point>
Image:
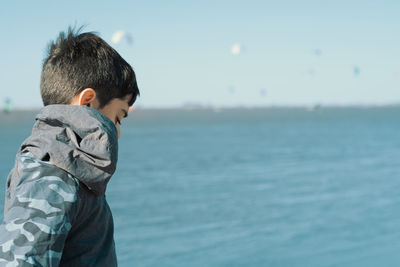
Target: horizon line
<point>267,106</point>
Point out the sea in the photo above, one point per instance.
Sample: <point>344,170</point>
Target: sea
<point>250,186</point>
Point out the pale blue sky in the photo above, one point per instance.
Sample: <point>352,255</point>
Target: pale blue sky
<point>182,49</point>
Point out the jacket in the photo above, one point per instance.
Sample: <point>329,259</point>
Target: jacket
<point>56,213</point>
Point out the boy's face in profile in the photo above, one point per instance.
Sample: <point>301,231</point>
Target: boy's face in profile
<point>116,111</point>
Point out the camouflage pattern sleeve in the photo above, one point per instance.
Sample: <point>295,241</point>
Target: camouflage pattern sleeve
<point>39,217</point>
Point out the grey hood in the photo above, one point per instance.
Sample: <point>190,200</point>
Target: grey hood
<point>78,139</point>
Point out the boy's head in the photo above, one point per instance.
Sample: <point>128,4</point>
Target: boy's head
<point>83,69</point>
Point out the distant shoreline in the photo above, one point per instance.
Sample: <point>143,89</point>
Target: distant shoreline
<point>275,107</point>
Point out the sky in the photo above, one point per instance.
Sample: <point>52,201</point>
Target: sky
<point>220,53</point>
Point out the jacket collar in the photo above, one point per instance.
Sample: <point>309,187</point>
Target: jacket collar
<point>78,139</point>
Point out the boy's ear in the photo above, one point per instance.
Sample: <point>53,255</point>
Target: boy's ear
<point>85,98</point>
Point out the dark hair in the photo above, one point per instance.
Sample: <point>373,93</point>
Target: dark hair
<point>78,61</point>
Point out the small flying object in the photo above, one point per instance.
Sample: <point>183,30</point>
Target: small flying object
<point>311,71</point>
<point>317,52</point>
<point>263,92</point>
<point>231,90</point>
<point>236,49</point>
<point>120,35</point>
<point>356,71</point>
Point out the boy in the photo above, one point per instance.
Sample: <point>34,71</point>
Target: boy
<point>55,210</point>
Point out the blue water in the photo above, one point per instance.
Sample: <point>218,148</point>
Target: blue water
<point>251,187</point>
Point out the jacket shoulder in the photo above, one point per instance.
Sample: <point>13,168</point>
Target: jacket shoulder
<point>32,174</point>
<point>40,209</point>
